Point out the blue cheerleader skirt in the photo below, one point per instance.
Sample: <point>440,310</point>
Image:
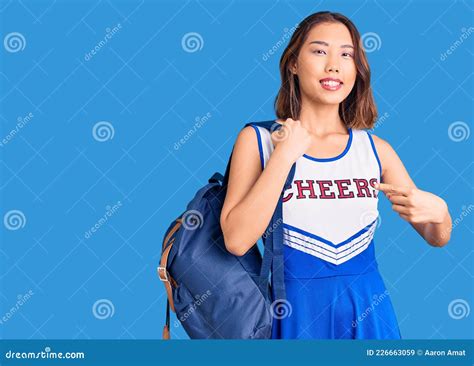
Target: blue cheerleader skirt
<point>348,306</point>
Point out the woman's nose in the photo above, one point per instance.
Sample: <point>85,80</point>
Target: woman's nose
<point>332,68</point>
<point>332,63</point>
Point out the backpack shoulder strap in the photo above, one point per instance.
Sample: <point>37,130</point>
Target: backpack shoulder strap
<point>273,259</point>
<point>273,240</point>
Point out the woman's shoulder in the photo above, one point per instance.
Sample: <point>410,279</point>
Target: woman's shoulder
<point>387,154</point>
<point>382,146</point>
<point>249,139</point>
<point>261,130</point>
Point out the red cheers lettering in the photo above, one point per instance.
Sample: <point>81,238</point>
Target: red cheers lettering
<point>331,189</point>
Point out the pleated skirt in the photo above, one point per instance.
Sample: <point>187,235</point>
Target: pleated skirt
<point>336,307</point>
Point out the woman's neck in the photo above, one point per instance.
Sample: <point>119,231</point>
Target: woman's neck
<point>321,119</point>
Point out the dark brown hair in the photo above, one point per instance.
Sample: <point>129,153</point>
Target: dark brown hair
<point>358,110</point>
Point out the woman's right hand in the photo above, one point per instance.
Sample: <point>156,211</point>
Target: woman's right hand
<point>291,139</point>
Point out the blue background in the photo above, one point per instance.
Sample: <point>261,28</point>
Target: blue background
<point>151,90</point>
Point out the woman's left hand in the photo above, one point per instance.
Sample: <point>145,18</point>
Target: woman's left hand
<point>414,205</point>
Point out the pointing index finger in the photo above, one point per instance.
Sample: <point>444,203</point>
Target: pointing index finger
<point>392,189</point>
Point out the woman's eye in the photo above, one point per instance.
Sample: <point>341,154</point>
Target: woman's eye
<point>346,54</point>
<point>319,52</point>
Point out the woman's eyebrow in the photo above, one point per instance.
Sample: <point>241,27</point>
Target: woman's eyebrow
<point>327,44</point>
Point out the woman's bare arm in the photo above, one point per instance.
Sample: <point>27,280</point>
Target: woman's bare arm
<point>426,212</point>
<point>252,194</point>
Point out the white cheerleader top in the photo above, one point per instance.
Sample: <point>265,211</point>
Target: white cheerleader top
<point>330,211</point>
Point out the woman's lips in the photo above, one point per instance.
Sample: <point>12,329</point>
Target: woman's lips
<point>331,84</point>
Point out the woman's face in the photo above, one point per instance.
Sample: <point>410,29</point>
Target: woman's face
<point>325,65</point>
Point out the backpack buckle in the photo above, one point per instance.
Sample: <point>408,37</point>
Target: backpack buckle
<point>163,274</point>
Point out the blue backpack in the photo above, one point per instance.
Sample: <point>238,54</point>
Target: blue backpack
<point>214,293</point>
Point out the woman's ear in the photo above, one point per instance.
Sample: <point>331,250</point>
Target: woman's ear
<point>293,68</point>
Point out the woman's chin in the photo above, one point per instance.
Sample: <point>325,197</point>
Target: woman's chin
<point>329,99</point>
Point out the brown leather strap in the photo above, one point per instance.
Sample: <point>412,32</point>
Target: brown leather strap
<point>165,277</point>
<point>166,332</point>
<point>166,328</point>
<point>163,273</point>
<point>172,231</point>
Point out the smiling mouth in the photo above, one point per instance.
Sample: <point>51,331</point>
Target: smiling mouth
<point>331,84</point>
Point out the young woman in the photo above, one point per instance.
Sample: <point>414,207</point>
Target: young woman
<point>334,289</point>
